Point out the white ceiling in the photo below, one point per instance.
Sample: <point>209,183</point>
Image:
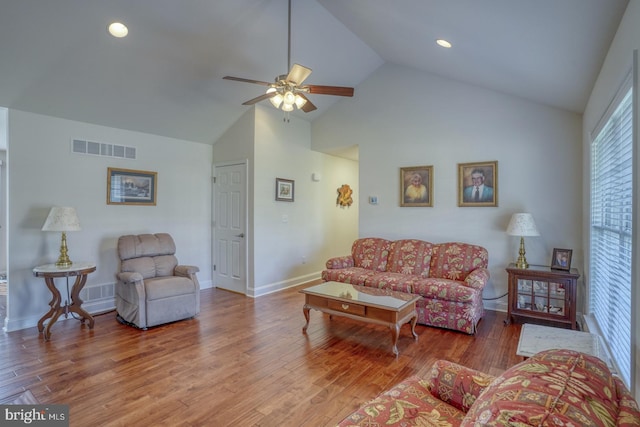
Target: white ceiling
<point>165,78</point>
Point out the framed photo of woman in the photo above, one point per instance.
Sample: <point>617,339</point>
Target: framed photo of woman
<point>416,186</point>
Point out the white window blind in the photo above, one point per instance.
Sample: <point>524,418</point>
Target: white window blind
<point>611,225</point>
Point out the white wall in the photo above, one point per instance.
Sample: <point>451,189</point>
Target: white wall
<point>430,120</point>
<point>43,172</point>
<point>294,240</point>
<point>293,251</point>
<point>616,66</point>
<point>237,144</point>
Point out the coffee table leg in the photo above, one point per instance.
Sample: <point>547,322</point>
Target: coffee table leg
<point>305,311</point>
<point>395,332</point>
<point>414,320</point>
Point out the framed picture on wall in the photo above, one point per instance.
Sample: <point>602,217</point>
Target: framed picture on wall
<point>284,190</point>
<point>131,187</point>
<point>416,186</point>
<point>478,184</point>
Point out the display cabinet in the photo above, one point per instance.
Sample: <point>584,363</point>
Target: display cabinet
<point>542,293</point>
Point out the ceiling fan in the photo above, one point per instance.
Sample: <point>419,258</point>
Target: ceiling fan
<point>288,90</point>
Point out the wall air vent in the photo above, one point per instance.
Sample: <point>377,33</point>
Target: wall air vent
<point>80,146</point>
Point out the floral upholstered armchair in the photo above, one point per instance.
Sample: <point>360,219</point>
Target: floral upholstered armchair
<point>552,388</point>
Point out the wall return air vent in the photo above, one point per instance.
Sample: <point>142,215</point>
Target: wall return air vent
<point>101,149</point>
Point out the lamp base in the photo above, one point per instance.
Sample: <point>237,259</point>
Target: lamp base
<point>63,259</point>
<point>521,263</point>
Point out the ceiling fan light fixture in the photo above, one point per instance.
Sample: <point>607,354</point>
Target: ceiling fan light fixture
<point>276,99</point>
<point>287,107</point>
<point>289,98</point>
<point>300,101</point>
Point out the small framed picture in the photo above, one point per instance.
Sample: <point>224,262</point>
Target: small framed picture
<point>131,187</point>
<point>416,186</point>
<point>561,259</point>
<point>284,190</point>
<point>478,184</point>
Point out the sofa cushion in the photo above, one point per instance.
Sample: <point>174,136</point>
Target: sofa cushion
<point>456,260</point>
<point>444,289</point>
<point>353,275</point>
<point>411,256</point>
<point>394,281</point>
<point>371,253</point>
<point>554,387</point>
<point>409,403</point>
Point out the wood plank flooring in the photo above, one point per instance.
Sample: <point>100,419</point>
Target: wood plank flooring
<point>241,362</point>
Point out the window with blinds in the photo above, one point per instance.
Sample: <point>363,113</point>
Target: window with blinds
<point>611,224</point>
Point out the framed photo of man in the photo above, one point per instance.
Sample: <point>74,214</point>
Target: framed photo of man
<point>416,186</point>
<point>478,184</point>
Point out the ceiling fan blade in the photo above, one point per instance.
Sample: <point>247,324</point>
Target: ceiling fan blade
<point>298,74</point>
<point>240,79</point>
<point>259,98</point>
<point>308,106</point>
<point>331,90</point>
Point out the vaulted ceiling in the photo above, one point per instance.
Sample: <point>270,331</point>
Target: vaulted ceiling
<point>165,77</point>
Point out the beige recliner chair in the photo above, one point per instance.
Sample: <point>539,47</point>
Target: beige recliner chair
<point>152,288</point>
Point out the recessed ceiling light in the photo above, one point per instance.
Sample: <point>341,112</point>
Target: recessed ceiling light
<point>443,43</point>
<point>118,29</point>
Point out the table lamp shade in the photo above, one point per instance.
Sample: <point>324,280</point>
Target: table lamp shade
<point>522,224</point>
<point>62,219</point>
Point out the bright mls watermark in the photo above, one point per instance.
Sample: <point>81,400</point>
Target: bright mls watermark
<point>34,415</point>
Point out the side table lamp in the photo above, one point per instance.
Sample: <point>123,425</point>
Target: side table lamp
<point>62,219</point>
<point>522,224</point>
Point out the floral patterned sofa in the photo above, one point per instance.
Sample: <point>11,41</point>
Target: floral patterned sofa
<point>552,388</point>
<point>450,277</point>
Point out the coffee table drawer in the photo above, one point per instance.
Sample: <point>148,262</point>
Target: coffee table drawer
<point>345,307</point>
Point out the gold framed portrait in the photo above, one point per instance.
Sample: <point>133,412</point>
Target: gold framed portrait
<point>416,186</point>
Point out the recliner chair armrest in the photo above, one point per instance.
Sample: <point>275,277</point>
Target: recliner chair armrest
<point>130,277</point>
<point>477,279</point>
<point>186,270</point>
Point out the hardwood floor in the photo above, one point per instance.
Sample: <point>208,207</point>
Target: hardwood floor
<point>241,362</point>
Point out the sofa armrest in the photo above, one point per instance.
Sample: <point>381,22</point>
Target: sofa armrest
<point>340,262</point>
<point>457,385</point>
<point>129,277</point>
<point>477,279</point>
<point>186,270</point>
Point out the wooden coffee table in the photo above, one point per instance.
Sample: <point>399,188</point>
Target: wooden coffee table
<point>371,305</point>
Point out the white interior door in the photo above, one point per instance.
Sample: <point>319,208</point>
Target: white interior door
<point>230,227</point>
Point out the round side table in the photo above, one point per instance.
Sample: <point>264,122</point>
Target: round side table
<point>79,270</point>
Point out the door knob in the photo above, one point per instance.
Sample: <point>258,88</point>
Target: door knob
<point>240,235</point>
